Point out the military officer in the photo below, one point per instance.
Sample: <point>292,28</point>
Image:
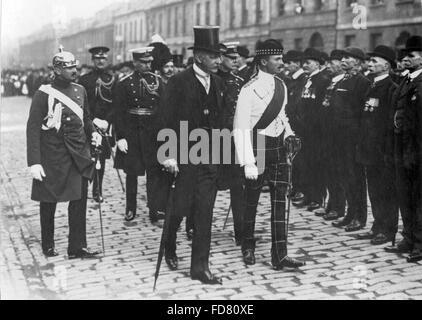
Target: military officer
<point>349,101</point>
<point>231,175</point>
<point>135,102</point>
<point>261,113</point>
<point>407,123</point>
<point>59,132</point>
<point>99,84</point>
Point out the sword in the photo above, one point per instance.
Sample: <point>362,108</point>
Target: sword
<point>97,152</point>
<point>291,155</point>
<point>227,217</point>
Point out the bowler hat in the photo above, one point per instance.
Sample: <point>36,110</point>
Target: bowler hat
<point>354,52</point>
<point>243,51</point>
<point>99,52</point>
<point>313,54</point>
<point>384,52</point>
<point>293,56</point>
<point>206,38</point>
<point>414,43</point>
<point>336,55</point>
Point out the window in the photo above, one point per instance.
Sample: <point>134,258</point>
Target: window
<point>232,14</point>
<point>141,36</point>
<point>258,12</point>
<point>402,39</point>
<point>349,40</point>
<point>217,13</point>
<point>184,20</point>
<point>198,14</point>
<point>131,32</point>
<point>318,5</point>
<point>376,40</point>
<point>244,13</point>
<point>160,23</point>
<point>281,7</point>
<point>317,42</point>
<point>136,31</point>
<point>377,2</point>
<point>299,44</point>
<point>207,13</point>
<point>176,21</point>
<point>168,22</point>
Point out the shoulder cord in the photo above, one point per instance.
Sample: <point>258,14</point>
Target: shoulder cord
<point>106,85</point>
<point>152,89</point>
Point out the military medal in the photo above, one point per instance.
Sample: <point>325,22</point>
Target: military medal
<point>206,112</point>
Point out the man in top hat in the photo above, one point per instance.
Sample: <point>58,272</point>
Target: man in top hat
<point>136,100</point>
<point>194,97</point>
<point>349,100</point>
<point>311,103</point>
<point>262,136</point>
<point>295,81</point>
<point>407,121</point>
<point>336,205</point>
<point>99,84</point>
<point>375,131</point>
<point>59,132</point>
<point>231,175</point>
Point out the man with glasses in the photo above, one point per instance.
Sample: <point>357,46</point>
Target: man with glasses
<point>135,102</point>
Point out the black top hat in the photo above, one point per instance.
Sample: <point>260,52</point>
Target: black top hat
<point>325,56</point>
<point>243,51</point>
<point>414,43</point>
<point>384,52</point>
<point>336,55</point>
<point>99,52</point>
<point>268,48</point>
<point>293,56</point>
<point>207,38</point>
<point>313,54</point>
<point>354,52</point>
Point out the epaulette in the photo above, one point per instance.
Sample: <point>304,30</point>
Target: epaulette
<point>125,77</point>
<point>250,82</point>
<point>78,85</point>
<point>154,74</point>
<point>278,78</point>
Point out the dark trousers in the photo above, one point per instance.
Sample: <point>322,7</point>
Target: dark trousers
<point>238,203</point>
<point>97,185</point>
<point>337,197</point>
<point>409,194</point>
<point>77,222</point>
<point>276,172</point>
<point>201,185</point>
<point>299,173</point>
<point>382,194</point>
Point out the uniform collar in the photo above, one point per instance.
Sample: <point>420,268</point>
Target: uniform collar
<point>297,74</point>
<point>415,74</point>
<point>380,78</point>
<point>265,75</point>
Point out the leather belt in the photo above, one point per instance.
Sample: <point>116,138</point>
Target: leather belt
<point>141,111</point>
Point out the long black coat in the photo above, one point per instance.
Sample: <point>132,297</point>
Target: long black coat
<point>65,154</point>
<point>293,111</point>
<point>376,126</point>
<point>181,101</point>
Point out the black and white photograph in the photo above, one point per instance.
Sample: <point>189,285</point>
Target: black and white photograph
<point>211,155</point>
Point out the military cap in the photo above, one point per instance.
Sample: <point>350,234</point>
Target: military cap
<point>142,53</point>
<point>269,47</point>
<point>354,53</point>
<point>243,51</point>
<point>414,43</point>
<point>99,52</point>
<point>293,56</point>
<point>313,54</point>
<point>384,52</point>
<point>231,48</point>
<point>64,59</point>
<point>206,38</point>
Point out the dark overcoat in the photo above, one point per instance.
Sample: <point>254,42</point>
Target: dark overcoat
<point>65,154</point>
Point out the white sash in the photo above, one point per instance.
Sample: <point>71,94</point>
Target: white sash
<point>72,105</point>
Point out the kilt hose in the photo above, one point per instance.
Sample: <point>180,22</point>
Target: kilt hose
<point>276,173</point>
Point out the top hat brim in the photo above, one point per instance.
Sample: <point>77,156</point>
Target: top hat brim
<point>213,50</point>
<point>410,49</point>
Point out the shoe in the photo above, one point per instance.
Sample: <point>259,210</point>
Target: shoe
<point>130,215</point>
<point>207,278</point>
<point>321,212</point>
<point>301,204</point>
<point>288,263</point>
<point>380,239</point>
<point>354,226</point>
<point>97,198</point>
<point>366,236</point>
<point>298,197</point>
<point>341,223</point>
<point>50,253</point>
<point>402,247</point>
<point>155,216</point>
<point>172,262</point>
<point>313,206</point>
<point>249,257</point>
<point>189,234</point>
<point>415,256</point>
<point>332,215</point>
<point>83,254</point>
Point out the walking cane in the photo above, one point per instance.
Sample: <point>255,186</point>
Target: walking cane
<point>227,217</point>
<point>291,155</point>
<point>166,227</point>
<point>97,152</point>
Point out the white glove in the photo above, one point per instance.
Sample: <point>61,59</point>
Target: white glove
<point>171,166</point>
<point>251,172</point>
<point>101,124</point>
<point>97,139</point>
<point>37,172</point>
<point>122,145</point>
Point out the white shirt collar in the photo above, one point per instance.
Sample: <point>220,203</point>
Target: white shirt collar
<point>199,72</point>
<point>297,74</point>
<point>380,78</point>
<point>405,73</point>
<point>314,73</point>
<point>338,78</point>
<point>415,74</point>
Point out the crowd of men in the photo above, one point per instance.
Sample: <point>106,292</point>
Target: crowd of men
<point>336,127</point>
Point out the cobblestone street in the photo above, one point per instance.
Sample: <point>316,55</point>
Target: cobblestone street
<point>338,265</point>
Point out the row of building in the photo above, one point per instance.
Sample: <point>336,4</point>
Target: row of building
<point>322,24</point>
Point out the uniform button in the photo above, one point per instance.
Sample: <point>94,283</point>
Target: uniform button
<point>76,90</point>
<point>134,91</point>
<point>78,97</point>
<point>131,84</point>
<point>67,119</point>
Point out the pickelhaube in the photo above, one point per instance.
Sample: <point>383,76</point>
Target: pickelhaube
<point>64,59</point>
